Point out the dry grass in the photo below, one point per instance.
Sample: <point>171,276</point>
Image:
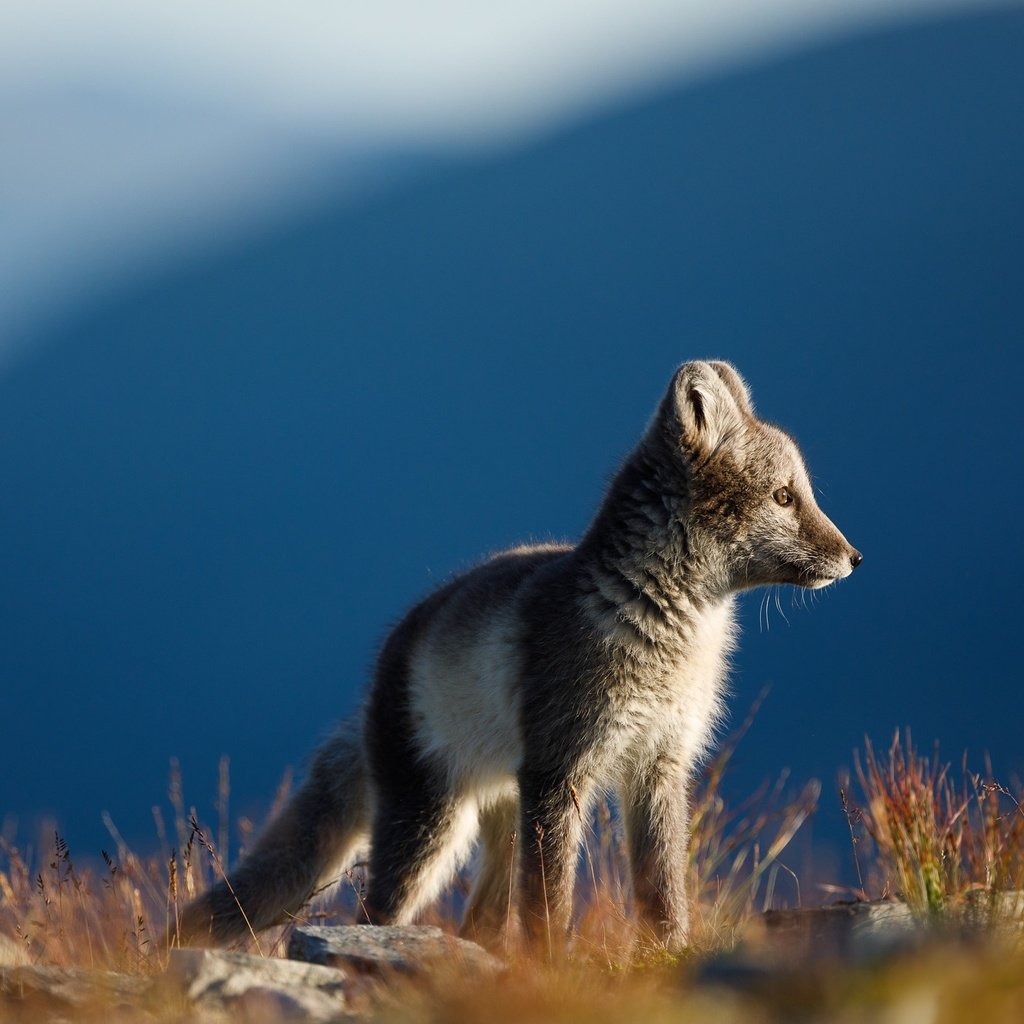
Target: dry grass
<point>113,915</point>
<point>928,832</point>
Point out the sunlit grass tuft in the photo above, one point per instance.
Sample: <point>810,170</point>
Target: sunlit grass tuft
<point>939,835</point>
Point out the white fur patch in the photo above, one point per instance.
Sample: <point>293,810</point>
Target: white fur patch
<point>466,705</point>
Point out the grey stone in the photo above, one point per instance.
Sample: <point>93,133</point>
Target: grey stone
<point>408,949</point>
<point>849,929</point>
<point>792,951</point>
<point>1001,913</point>
<point>789,954</point>
<point>71,987</point>
<point>239,984</point>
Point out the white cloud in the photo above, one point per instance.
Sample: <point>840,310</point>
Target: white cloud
<point>129,127</point>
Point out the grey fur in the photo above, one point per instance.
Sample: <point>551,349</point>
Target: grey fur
<point>506,701</point>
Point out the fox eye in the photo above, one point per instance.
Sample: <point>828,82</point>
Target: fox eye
<point>783,497</point>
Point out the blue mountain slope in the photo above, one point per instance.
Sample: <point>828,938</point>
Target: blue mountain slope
<point>221,488</point>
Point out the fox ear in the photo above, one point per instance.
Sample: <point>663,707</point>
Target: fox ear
<point>736,384</point>
<point>710,402</point>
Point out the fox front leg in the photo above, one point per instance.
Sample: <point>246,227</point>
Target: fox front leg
<point>656,815</point>
<point>551,832</point>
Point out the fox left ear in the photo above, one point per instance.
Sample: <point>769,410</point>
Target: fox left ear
<point>710,402</point>
<point>735,383</point>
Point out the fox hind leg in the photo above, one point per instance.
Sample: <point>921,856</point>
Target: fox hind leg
<point>422,833</point>
<point>489,913</point>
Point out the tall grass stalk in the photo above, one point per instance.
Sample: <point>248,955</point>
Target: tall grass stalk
<point>938,834</point>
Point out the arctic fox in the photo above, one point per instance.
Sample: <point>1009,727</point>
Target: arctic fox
<point>506,701</point>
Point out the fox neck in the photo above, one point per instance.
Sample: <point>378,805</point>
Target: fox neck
<point>642,548</point>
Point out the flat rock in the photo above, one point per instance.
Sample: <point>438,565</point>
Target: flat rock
<point>786,954</point>
<point>242,986</point>
<point>848,929</point>
<point>372,949</point>
<point>794,950</point>
<point>1001,913</point>
<point>71,988</point>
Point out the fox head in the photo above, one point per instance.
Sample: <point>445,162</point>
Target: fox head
<point>750,512</point>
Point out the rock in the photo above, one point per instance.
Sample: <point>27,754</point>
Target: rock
<point>408,949</point>
<point>868,929</point>
<point>998,913</point>
<point>847,929</point>
<point>789,955</point>
<point>43,989</point>
<point>240,985</point>
<point>793,951</point>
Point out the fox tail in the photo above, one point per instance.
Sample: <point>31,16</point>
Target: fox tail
<point>322,829</point>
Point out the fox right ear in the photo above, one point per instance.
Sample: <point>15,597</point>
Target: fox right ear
<point>710,402</point>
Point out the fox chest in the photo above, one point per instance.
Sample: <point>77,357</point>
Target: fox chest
<point>669,702</point>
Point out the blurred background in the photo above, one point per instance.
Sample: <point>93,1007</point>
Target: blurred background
<point>304,308</point>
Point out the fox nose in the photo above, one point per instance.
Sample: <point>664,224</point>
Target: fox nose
<point>855,559</point>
